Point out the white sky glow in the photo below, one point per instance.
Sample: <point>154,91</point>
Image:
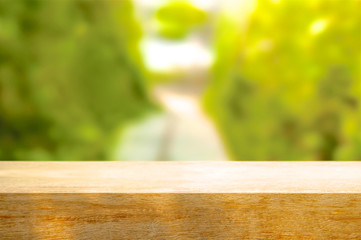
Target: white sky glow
<point>162,55</point>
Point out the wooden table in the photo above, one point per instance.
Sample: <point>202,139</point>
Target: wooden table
<point>180,200</point>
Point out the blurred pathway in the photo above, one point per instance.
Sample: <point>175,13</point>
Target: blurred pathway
<point>182,133</point>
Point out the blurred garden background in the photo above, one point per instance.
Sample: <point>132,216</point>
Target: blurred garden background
<point>180,80</point>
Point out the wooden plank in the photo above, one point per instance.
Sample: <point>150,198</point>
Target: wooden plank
<point>180,200</point>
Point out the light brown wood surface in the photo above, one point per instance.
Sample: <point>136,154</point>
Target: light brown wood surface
<point>180,200</point>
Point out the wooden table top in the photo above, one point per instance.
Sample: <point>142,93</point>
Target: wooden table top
<point>180,177</point>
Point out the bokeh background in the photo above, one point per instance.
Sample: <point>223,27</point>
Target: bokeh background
<point>180,80</point>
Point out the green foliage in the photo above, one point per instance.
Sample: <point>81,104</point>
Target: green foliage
<point>286,83</point>
<point>178,18</point>
<point>70,77</point>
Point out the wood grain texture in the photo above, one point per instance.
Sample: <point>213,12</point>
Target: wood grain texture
<point>180,200</point>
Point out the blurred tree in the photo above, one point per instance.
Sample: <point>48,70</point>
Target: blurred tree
<point>70,77</point>
<point>177,19</point>
<point>286,82</point>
